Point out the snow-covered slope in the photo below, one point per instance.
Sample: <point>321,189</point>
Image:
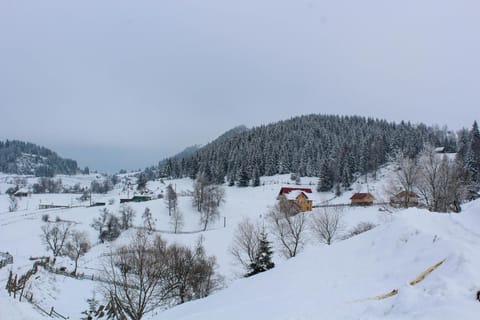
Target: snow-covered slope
<point>322,282</point>
<point>341,281</point>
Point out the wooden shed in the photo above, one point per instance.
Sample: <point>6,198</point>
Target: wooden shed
<point>404,199</point>
<point>362,199</point>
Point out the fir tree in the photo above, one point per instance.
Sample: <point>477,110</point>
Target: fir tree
<point>141,181</point>
<point>473,153</point>
<point>243,178</point>
<point>325,181</point>
<point>231,181</point>
<point>95,310</point>
<point>263,258</point>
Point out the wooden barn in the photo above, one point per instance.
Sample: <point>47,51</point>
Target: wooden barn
<point>301,197</point>
<point>362,199</point>
<point>404,199</point>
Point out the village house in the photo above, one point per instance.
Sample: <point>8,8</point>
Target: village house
<point>362,199</point>
<point>404,199</point>
<point>300,196</point>
<point>23,192</point>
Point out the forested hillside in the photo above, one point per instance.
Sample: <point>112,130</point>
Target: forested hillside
<point>335,147</point>
<point>27,158</point>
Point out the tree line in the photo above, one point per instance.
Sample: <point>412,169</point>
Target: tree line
<point>334,147</point>
<point>20,157</point>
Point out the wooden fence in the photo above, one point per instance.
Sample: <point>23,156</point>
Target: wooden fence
<point>337,205</point>
<point>52,313</point>
<point>29,295</point>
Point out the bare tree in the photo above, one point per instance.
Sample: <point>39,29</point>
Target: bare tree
<point>406,179</point>
<point>176,220</point>
<point>207,198</point>
<point>246,242</point>
<point>170,199</point>
<point>453,185</point>
<point>192,273</point>
<point>54,235</point>
<point>460,182</point>
<point>126,216</point>
<point>213,196</point>
<point>429,177</point>
<point>443,182</point>
<point>288,226</point>
<point>136,277</point>
<point>199,191</point>
<point>77,246</point>
<point>13,203</point>
<point>100,222</point>
<point>148,222</point>
<point>147,274</point>
<point>327,224</point>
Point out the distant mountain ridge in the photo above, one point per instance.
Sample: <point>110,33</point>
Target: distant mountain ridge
<point>231,133</point>
<point>328,146</point>
<point>19,157</point>
<point>188,151</point>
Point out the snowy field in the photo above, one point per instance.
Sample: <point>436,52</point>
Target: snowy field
<point>323,282</point>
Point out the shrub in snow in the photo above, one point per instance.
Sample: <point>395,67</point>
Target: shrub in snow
<point>359,228</point>
<point>107,225</point>
<point>157,275</point>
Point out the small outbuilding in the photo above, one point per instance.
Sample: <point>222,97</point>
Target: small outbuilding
<point>23,192</point>
<point>404,199</point>
<point>141,198</point>
<point>362,199</point>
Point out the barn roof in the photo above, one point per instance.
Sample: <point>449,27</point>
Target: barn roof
<point>402,194</point>
<point>361,196</point>
<point>287,190</point>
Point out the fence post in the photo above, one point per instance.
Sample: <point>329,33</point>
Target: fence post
<point>51,312</point>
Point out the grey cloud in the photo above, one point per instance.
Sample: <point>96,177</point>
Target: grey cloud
<point>161,75</point>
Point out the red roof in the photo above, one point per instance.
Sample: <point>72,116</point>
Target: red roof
<point>361,196</point>
<point>286,190</point>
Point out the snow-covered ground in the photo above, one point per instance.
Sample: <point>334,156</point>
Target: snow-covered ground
<point>330,282</point>
<point>341,281</point>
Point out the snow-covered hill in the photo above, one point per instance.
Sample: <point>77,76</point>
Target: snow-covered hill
<point>341,281</point>
<point>329,282</point>
<point>28,158</point>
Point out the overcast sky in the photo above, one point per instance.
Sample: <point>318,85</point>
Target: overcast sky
<point>121,84</point>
